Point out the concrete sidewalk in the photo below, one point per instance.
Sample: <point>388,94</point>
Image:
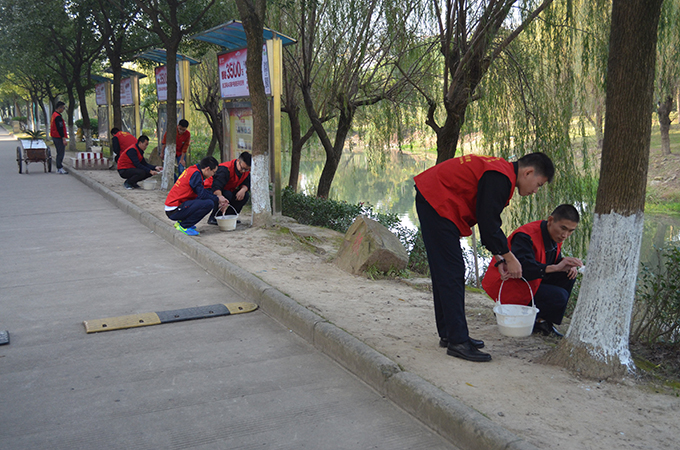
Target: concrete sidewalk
<point>231,382</point>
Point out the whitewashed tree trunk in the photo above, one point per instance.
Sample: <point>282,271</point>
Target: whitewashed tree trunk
<point>601,320</point>
<point>167,179</point>
<point>259,182</point>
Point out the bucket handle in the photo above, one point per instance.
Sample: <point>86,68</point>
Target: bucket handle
<point>530,291</point>
<point>229,206</point>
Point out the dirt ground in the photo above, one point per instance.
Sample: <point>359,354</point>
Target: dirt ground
<point>550,407</point>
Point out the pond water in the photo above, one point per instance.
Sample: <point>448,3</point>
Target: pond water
<point>388,187</point>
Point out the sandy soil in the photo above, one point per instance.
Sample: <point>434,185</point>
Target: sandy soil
<point>550,407</point>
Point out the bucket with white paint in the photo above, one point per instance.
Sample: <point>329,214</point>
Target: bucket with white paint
<point>515,320</point>
<point>227,222</point>
<point>149,184</point>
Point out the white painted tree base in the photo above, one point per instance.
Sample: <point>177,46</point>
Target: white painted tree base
<point>259,182</point>
<point>167,179</point>
<point>601,320</point>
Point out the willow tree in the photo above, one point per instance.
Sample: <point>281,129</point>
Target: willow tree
<point>348,54</point>
<point>596,344</point>
<point>668,69</point>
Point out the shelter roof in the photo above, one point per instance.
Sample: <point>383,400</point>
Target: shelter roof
<point>159,55</point>
<point>126,73</point>
<point>232,36</point>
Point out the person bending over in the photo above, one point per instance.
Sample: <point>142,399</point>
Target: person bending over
<point>452,197</point>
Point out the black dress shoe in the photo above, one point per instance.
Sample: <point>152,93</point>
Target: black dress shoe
<point>468,352</point>
<point>477,343</point>
<point>546,329</point>
<point>212,220</point>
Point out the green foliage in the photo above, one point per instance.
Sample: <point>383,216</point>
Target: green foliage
<point>94,124</point>
<point>36,134</point>
<point>657,313</point>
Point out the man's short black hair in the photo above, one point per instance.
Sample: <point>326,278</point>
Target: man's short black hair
<point>566,212</point>
<point>183,123</point>
<point>114,131</point>
<point>143,138</point>
<point>246,158</point>
<point>59,105</point>
<point>208,161</point>
<point>541,163</point>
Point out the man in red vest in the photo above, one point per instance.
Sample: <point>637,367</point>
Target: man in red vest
<point>58,134</point>
<point>133,167</point>
<point>189,201</point>
<point>232,180</point>
<point>183,140</point>
<point>537,246</point>
<point>452,197</point>
<point>121,140</point>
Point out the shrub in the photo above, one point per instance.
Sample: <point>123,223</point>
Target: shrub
<point>657,309</point>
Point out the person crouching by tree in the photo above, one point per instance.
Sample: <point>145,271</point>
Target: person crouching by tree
<point>120,140</point>
<point>232,180</point>
<point>537,246</point>
<point>189,201</point>
<point>133,167</point>
<point>452,197</point>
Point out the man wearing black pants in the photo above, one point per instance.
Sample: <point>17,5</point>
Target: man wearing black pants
<point>451,198</point>
<point>133,167</point>
<point>549,275</point>
<point>58,134</point>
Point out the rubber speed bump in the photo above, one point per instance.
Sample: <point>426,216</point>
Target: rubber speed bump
<point>157,318</point>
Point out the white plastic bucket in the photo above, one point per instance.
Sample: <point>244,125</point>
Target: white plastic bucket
<point>515,320</point>
<point>149,184</point>
<point>227,222</point>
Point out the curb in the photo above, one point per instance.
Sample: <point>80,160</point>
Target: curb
<point>460,424</point>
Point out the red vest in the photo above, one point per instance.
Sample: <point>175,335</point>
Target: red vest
<point>124,161</point>
<point>181,142</point>
<point>125,140</point>
<point>515,290</point>
<point>54,132</point>
<point>181,191</point>
<point>233,182</point>
<point>450,187</point>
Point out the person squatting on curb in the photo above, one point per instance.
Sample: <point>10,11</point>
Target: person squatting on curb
<point>452,197</point>
<point>232,180</point>
<point>189,201</point>
<point>133,167</point>
<point>538,246</point>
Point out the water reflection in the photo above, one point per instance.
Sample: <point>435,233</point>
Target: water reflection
<point>389,188</point>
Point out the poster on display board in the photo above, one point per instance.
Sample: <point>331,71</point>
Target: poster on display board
<point>241,126</point>
<point>100,93</point>
<point>162,83</point>
<point>233,78</point>
<point>126,92</point>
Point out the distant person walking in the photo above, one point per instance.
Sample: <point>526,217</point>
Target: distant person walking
<point>59,135</point>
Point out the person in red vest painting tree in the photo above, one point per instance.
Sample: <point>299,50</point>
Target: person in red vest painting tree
<point>232,180</point>
<point>183,140</point>
<point>452,197</point>
<point>538,247</point>
<point>133,167</point>
<point>59,135</point>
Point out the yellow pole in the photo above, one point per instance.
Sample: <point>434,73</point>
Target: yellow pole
<point>275,57</point>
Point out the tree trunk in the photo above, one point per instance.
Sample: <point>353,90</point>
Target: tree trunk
<point>664,113</point>
<point>171,126</point>
<point>252,16</point>
<point>334,153</point>
<point>71,109</point>
<point>596,344</point>
<point>116,68</point>
<point>447,137</point>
